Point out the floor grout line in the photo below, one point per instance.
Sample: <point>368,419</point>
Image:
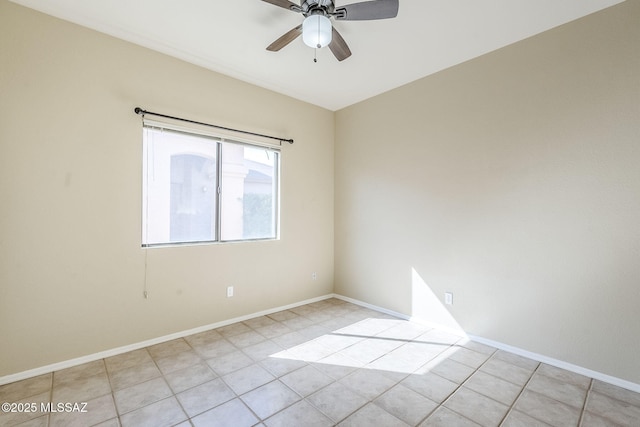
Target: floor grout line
<point>586,401</point>
<point>522,390</point>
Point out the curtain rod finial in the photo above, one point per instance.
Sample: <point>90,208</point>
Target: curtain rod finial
<point>138,110</point>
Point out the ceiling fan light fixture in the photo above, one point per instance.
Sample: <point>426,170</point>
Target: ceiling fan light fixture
<point>316,31</point>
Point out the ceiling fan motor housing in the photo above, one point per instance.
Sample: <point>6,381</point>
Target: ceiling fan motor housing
<point>317,7</point>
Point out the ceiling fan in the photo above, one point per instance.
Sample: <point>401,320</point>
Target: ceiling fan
<point>316,29</point>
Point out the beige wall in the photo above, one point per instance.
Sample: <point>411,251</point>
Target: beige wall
<point>513,181</point>
<point>71,266</point>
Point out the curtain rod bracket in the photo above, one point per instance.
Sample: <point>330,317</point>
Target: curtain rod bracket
<point>142,112</point>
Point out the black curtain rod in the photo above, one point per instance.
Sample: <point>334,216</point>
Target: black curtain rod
<point>142,112</point>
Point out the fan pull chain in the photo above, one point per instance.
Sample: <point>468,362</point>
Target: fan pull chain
<point>315,55</point>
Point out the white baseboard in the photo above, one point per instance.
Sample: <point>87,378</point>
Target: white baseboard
<point>119,350</point>
<point>501,346</point>
<point>559,364</point>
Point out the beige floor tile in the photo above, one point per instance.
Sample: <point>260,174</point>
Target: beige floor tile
<point>214,349</point>
<point>287,338</point>
<point>229,362</point>
<point>168,348</point>
<point>42,421</point>
<point>337,401</point>
<point>233,413</point>
<point>370,326</point>
<point>203,338</point>
<point>262,350</point>
<point>564,376</point>
<point>259,322</point>
<point>396,366</point>
<point>114,422</point>
<point>178,361</point>
<point>450,369</point>
<point>139,395</point>
<point>514,359</point>
<point>435,336</point>
<point>518,419</point>
<point>83,389</point>
<point>233,329</point>
<point>617,393</point>
<point>419,352</point>
<point>493,387</point>
<point>164,413</point>
<point>86,370</point>
<point>367,383</point>
<point>13,392</point>
<point>592,420</point>
<point>245,339</point>
<point>319,316</point>
<point>337,365</point>
<point>477,407</point>
<point>248,378</point>
<point>617,411</point>
<point>444,417</point>
<point>561,391</point>
<point>127,360</point>
<point>279,366</point>
<point>270,399</point>
<point>97,411</point>
<point>548,410</point>
<point>298,323</point>
<point>299,414</point>
<point>206,396</point>
<point>282,315</point>
<point>405,331</point>
<point>25,409</point>
<point>276,329</point>
<point>306,380</point>
<point>370,349</point>
<point>471,358</point>
<point>372,415</point>
<point>310,351</point>
<point>337,342</point>
<point>507,371</point>
<point>406,404</point>
<point>432,386</point>
<point>189,377</point>
<point>478,347</point>
<point>303,310</point>
<point>133,375</point>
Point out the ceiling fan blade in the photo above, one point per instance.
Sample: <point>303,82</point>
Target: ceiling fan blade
<point>286,4</point>
<point>338,46</point>
<point>285,39</point>
<point>367,10</point>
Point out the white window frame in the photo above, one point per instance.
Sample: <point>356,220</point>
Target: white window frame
<point>219,138</point>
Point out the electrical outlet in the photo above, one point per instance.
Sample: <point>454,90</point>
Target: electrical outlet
<point>448,298</point>
<point>229,291</point>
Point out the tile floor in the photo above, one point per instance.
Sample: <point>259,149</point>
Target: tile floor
<point>321,364</point>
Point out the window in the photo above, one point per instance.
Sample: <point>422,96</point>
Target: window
<point>199,188</point>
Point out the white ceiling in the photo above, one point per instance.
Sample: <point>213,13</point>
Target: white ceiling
<point>230,37</point>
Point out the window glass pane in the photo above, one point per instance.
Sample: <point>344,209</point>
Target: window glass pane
<point>249,192</point>
<point>180,187</point>
<point>192,181</point>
